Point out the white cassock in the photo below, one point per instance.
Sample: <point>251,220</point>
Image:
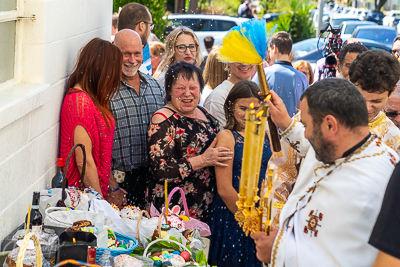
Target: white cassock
<point>328,217</point>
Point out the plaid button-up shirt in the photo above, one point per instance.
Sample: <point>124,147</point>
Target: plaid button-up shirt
<point>132,113</point>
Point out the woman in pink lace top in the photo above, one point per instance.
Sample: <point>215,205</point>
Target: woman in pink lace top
<point>86,117</point>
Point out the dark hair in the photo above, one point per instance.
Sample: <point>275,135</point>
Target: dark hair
<point>131,14</point>
<point>242,89</point>
<point>351,48</point>
<point>339,98</point>
<point>375,71</point>
<point>282,41</point>
<point>187,71</point>
<point>208,42</point>
<point>168,30</point>
<point>115,20</point>
<point>396,39</point>
<point>98,70</point>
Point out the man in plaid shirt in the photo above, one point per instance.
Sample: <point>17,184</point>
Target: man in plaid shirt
<point>138,98</point>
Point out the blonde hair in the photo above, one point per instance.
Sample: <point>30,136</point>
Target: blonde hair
<point>157,49</point>
<point>214,71</point>
<point>302,63</point>
<point>170,49</point>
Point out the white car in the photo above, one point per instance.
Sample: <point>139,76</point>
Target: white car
<point>216,26</point>
<point>392,19</point>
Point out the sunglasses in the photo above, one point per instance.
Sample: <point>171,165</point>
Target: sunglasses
<point>392,114</point>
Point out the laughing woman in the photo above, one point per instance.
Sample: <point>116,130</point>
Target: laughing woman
<point>181,142</point>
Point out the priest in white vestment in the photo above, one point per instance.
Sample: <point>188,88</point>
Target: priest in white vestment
<point>331,211</point>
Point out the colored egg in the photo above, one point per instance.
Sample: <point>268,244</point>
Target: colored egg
<point>157,258</point>
<point>157,263</point>
<point>176,252</point>
<point>122,246</point>
<point>167,263</point>
<point>185,255</point>
<point>164,252</point>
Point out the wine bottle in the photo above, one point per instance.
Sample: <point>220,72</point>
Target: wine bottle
<point>56,182</point>
<point>36,219</point>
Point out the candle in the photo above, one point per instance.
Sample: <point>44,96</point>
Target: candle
<point>166,196</point>
<point>246,164</point>
<point>253,172</point>
<point>29,220</point>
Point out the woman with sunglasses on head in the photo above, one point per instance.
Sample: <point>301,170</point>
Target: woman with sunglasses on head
<point>182,44</point>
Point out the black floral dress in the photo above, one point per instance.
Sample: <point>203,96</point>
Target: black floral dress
<point>170,144</point>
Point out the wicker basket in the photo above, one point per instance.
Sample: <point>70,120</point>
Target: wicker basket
<point>118,251</point>
<point>22,250</point>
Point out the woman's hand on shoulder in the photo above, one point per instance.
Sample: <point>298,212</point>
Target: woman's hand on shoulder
<point>158,118</point>
<point>216,155</point>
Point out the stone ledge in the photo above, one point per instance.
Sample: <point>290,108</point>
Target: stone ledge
<point>18,99</point>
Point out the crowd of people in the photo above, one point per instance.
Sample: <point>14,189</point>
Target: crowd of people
<point>149,112</point>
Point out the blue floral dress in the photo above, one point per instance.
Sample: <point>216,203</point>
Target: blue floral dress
<point>229,245</point>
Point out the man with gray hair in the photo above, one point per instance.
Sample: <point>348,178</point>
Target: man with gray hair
<point>137,17</point>
<point>138,98</point>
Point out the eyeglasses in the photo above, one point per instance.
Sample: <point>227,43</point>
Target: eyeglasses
<point>151,24</point>
<point>182,48</point>
<point>391,114</point>
<point>396,53</point>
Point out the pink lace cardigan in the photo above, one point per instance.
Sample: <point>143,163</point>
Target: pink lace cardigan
<point>79,109</point>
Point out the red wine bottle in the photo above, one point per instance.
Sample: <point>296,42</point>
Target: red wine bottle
<point>56,182</point>
<point>36,219</point>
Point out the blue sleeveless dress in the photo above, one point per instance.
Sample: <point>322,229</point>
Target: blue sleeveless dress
<point>229,245</point>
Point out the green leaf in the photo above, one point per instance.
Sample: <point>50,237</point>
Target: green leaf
<point>201,258</point>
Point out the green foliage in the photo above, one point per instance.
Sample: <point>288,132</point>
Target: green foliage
<point>283,22</point>
<point>157,10</point>
<point>297,22</point>
<point>201,258</point>
<point>301,26</point>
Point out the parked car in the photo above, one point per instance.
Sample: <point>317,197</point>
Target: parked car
<point>375,16</point>
<point>270,16</point>
<point>339,18</point>
<point>304,47</point>
<point>207,25</point>
<point>392,19</point>
<point>377,33</point>
<point>325,18</point>
<point>314,55</point>
<point>347,27</point>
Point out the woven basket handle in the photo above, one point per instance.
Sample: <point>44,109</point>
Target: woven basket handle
<point>22,250</point>
<point>163,239</point>
<point>61,202</point>
<point>183,199</point>
<point>139,220</point>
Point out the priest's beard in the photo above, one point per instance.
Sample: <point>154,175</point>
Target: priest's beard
<point>324,150</point>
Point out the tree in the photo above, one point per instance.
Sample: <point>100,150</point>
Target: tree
<point>297,22</point>
<point>157,10</point>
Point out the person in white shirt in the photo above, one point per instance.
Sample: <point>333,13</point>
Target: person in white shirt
<point>215,101</point>
<point>332,209</point>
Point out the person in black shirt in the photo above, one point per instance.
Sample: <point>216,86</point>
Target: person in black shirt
<point>386,233</point>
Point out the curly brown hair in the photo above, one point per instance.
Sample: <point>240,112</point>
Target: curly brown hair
<point>375,71</point>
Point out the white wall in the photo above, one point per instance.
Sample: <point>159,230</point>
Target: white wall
<point>30,105</point>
